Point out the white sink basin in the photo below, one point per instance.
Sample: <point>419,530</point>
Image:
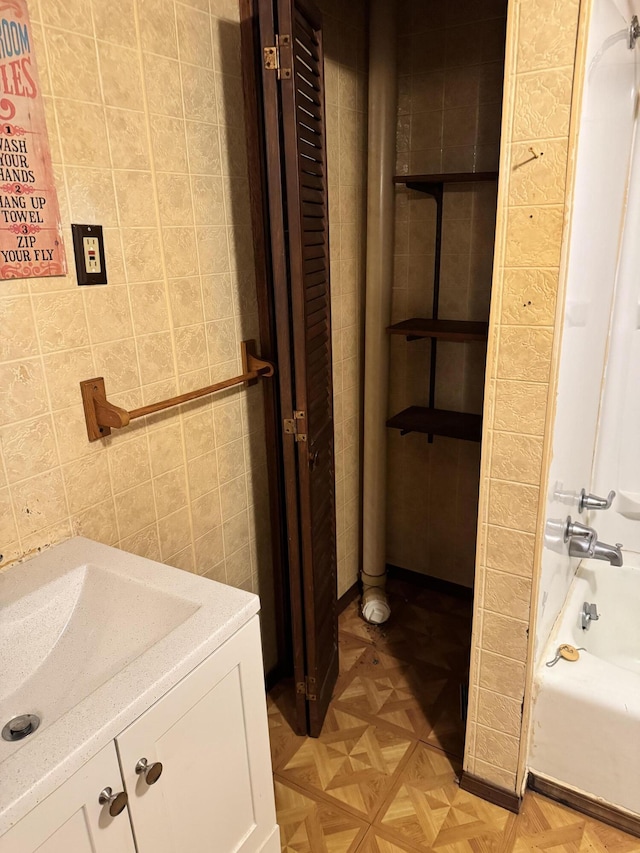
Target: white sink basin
<point>90,637</point>
<point>73,634</point>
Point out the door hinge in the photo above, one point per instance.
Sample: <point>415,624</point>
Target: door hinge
<point>278,57</point>
<point>308,687</point>
<point>295,426</point>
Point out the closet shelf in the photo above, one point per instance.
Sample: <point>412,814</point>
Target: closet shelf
<point>414,181</point>
<point>438,422</point>
<point>446,330</point>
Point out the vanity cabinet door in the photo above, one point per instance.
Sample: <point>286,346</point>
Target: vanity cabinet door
<point>71,820</point>
<point>214,793</point>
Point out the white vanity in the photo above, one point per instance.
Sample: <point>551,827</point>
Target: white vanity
<point>146,688</point>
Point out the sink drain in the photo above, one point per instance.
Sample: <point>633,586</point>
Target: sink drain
<point>20,727</point>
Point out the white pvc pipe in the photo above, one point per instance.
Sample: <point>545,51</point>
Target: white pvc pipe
<point>379,278</point>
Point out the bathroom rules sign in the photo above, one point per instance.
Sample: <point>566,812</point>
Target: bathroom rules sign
<point>30,230</point>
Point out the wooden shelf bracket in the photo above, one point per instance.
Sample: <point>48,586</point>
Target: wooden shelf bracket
<point>102,416</point>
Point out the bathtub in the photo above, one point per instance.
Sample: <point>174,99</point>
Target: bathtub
<point>586,715</point>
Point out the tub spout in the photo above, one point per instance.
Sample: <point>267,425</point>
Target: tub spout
<point>612,553</point>
<point>589,548</point>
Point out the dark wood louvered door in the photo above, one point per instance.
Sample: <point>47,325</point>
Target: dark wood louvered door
<point>295,146</point>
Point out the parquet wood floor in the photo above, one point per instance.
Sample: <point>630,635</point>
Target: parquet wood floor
<point>382,777</point>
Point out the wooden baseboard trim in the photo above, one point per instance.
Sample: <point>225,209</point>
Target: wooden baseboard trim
<point>347,597</point>
<point>587,805</point>
<point>491,793</point>
<point>429,582</point>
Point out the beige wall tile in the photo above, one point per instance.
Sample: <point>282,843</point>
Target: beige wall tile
<point>510,550</point>
<point>144,542</point>
<point>71,15</point>
<point>61,321</point>
<point>29,448</point>
<point>73,58</point>
<point>134,195</point>
<point>91,195</point>
<point>534,236</point>
<point>108,313</point>
<point>174,532</point>
<point>127,130</point>
<point>513,505</point>
<point>529,296</point>
<point>499,713</point>
<point>497,775</point>
<point>501,634</point>
<point>501,675</point>
<point>542,104</point>
<point>129,463</point>
<point>209,554</point>
<point>516,457</point>
<point>547,34</point>
<point>18,339</point>
<point>135,509</point>
<point>507,594</point>
<point>120,76</point>
<point>157,27</point>
<point>524,353</point>
<point>23,384</point>
<point>85,143</point>
<point>98,523</point>
<point>86,482</point>
<point>520,407</point>
<point>39,502</point>
<point>538,172</point>
<point>194,36</point>
<point>499,748</point>
<point>115,22</point>
<point>162,84</point>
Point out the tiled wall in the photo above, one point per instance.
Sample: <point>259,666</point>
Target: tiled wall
<point>345,40</point>
<point>541,46</point>
<point>145,119</point>
<point>450,89</point>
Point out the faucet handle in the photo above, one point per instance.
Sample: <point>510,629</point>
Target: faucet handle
<point>574,528</point>
<point>589,501</point>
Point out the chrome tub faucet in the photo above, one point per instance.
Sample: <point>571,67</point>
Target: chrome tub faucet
<point>583,542</point>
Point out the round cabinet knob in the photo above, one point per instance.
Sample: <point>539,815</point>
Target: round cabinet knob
<point>151,772</point>
<point>117,802</point>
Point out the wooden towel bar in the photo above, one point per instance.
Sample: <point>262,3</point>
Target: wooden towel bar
<point>102,416</point>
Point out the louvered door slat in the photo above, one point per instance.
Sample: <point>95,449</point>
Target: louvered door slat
<point>310,121</point>
<point>310,252</point>
<point>311,138</point>
<point>314,265</point>
<point>306,90</point>
<point>312,196</point>
<point>310,165</point>
<point>305,72</point>
<point>311,238</point>
<point>307,43</point>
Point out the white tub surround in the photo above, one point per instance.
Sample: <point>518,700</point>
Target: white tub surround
<point>90,638</point>
<point>607,123</point>
<point>587,713</point>
<point>618,450</point>
<point>379,280</point>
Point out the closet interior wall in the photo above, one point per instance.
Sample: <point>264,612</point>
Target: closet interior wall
<point>450,77</point>
<point>345,40</point>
